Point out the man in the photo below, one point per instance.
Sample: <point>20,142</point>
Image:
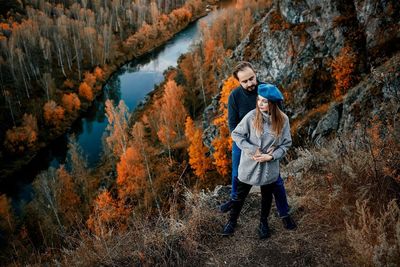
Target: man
<point>242,100</point>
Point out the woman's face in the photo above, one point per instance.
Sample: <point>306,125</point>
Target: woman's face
<point>262,103</point>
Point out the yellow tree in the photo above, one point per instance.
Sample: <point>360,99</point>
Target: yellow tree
<point>223,143</point>
<point>107,215</point>
<point>172,115</point>
<point>198,159</point>
<point>131,172</point>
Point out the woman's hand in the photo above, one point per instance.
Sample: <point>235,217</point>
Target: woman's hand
<point>262,157</point>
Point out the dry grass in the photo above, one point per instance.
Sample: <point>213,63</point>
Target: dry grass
<point>178,239</point>
<point>375,238</point>
<point>349,189</point>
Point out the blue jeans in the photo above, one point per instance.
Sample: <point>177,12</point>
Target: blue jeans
<point>279,188</point>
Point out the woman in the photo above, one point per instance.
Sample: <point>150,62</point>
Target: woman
<point>263,135</point>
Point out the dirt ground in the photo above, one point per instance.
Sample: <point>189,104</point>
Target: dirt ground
<point>304,246</point>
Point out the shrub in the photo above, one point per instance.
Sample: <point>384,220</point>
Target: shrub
<point>18,139</point>
<point>342,69</point>
<point>53,113</point>
<point>71,102</point>
<point>86,91</point>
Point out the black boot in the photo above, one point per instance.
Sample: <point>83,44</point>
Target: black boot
<point>229,228</point>
<point>289,223</point>
<point>263,230</point>
<point>227,206</point>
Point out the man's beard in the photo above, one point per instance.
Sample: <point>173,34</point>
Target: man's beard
<point>251,88</point>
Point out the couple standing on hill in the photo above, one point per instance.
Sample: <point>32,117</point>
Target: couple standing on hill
<point>261,134</point>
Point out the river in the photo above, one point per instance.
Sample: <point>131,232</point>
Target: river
<point>131,83</point>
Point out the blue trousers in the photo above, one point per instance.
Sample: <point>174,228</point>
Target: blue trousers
<point>279,191</point>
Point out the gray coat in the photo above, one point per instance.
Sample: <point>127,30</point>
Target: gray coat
<point>253,172</point>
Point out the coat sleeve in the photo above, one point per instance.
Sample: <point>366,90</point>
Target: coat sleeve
<point>241,136</point>
<point>286,142</point>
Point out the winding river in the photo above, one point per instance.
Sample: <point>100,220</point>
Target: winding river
<point>131,83</point>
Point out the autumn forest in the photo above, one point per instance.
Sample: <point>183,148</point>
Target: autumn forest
<point>149,201</point>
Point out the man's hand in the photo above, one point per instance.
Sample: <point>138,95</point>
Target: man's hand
<point>262,157</point>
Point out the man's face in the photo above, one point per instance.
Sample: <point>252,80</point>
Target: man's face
<point>247,79</point>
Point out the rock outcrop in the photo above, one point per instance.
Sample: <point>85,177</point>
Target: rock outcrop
<point>295,43</point>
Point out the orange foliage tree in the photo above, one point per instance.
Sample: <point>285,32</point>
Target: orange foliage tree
<point>146,151</point>
<point>71,102</point>
<point>223,143</point>
<point>186,66</point>
<point>198,159</point>
<point>90,79</point>
<point>23,137</point>
<point>190,73</point>
<point>181,15</point>
<point>85,184</point>
<point>131,172</point>
<point>107,215</point>
<point>99,73</point>
<point>209,52</point>
<point>68,200</point>
<point>86,91</point>
<point>247,22</point>
<point>53,114</point>
<point>172,115</point>
<point>213,52</point>
<point>342,69</point>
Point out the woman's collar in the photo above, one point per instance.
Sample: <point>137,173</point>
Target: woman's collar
<point>265,115</point>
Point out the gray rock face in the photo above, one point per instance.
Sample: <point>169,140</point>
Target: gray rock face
<point>328,123</point>
<point>379,20</point>
<point>377,95</point>
<point>322,13</point>
<point>294,44</point>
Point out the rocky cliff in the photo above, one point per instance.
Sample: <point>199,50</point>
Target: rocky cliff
<point>294,46</point>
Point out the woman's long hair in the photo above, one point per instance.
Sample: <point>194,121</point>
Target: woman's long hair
<point>277,119</point>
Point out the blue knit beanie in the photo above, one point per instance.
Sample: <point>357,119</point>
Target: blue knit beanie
<point>270,92</point>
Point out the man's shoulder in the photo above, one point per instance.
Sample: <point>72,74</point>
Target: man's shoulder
<point>234,96</point>
<point>236,91</point>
